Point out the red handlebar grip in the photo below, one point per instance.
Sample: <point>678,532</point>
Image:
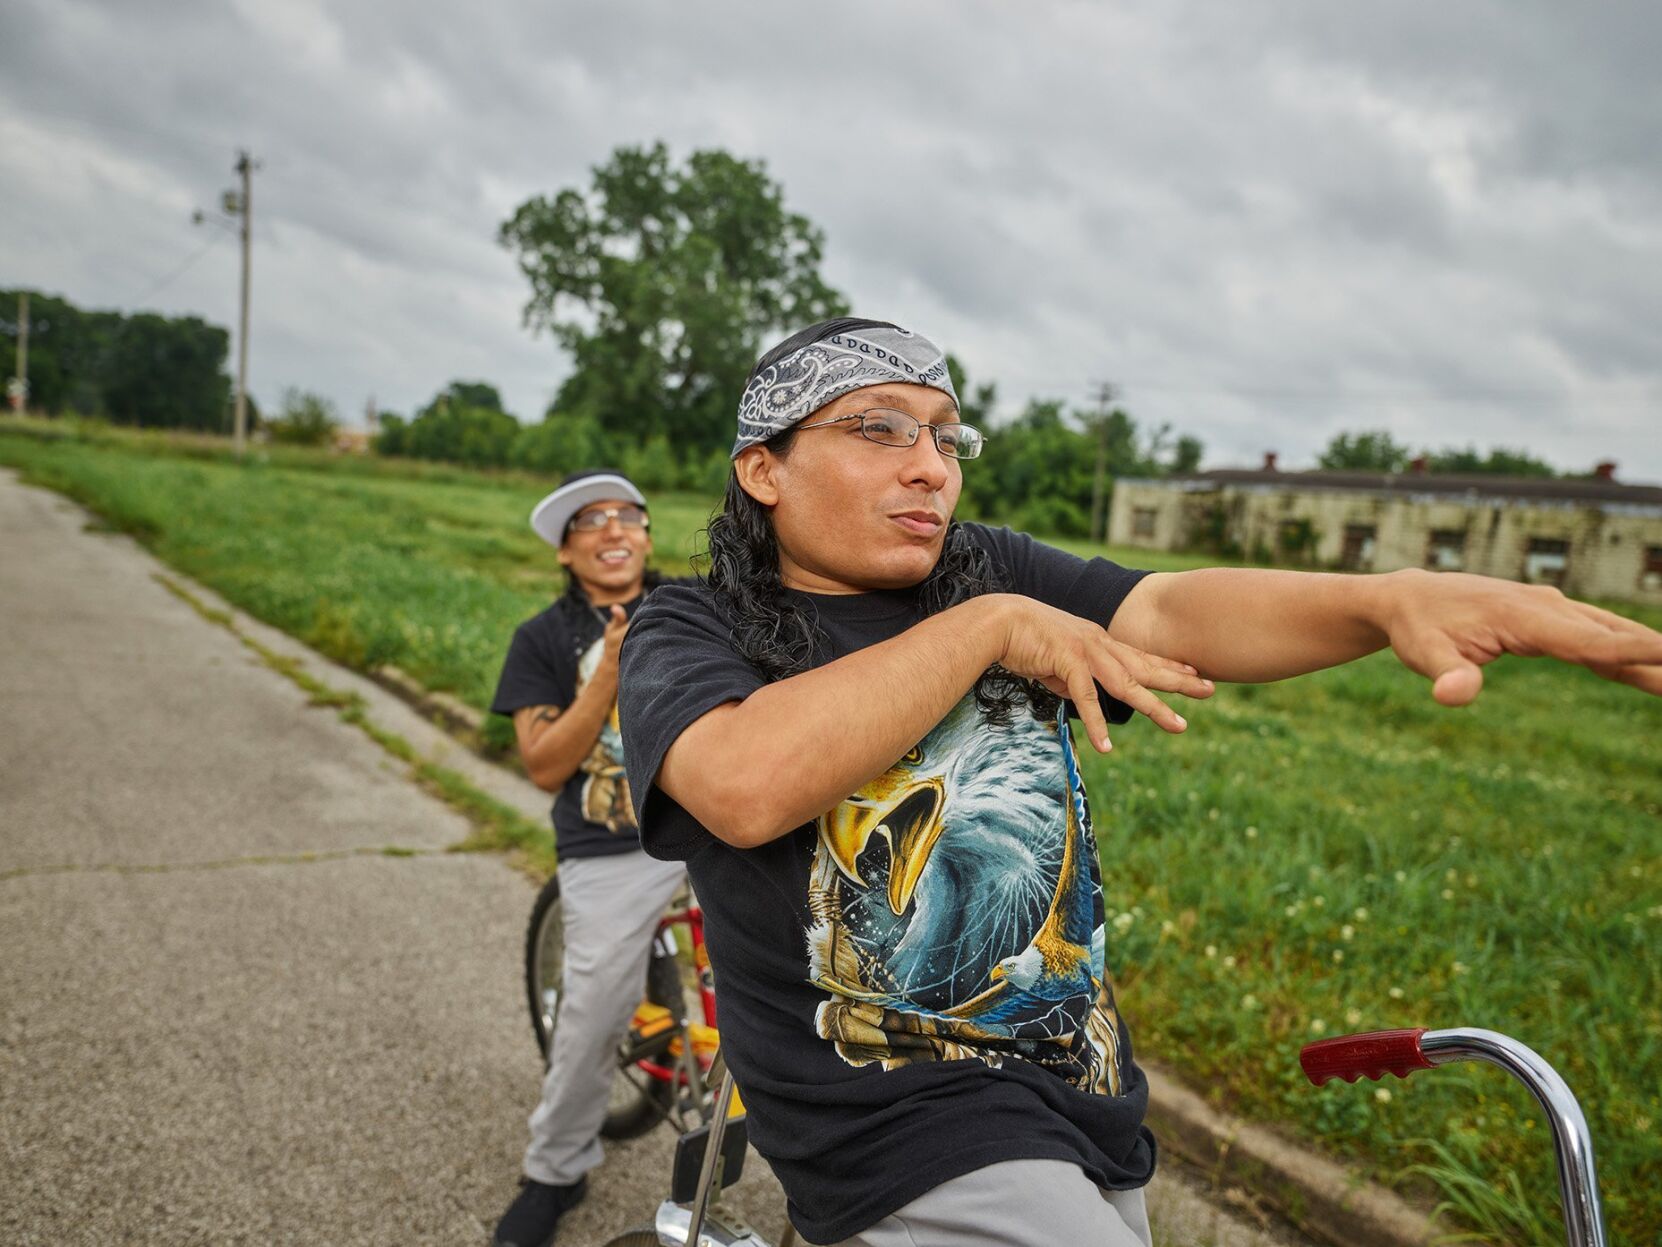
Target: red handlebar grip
<point>1372,1055</point>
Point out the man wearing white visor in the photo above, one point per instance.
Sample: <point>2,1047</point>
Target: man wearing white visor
<point>559,684</point>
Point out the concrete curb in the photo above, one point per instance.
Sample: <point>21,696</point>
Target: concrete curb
<point>1318,1195</point>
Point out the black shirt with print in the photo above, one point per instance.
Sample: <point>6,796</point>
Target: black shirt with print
<point>913,986</point>
<point>550,660</point>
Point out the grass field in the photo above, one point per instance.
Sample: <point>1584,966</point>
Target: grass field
<point>1333,853</point>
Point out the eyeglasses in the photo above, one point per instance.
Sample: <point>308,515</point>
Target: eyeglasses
<point>896,428</point>
<point>594,521</point>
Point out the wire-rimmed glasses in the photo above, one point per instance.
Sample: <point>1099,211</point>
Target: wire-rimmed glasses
<point>888,427</point>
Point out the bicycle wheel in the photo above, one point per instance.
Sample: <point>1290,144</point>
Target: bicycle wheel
<point>545,961</point>
<point>637,1102</point>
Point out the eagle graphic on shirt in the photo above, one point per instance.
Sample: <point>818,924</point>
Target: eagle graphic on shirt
<point>956,908</point>
<point>605,792</point>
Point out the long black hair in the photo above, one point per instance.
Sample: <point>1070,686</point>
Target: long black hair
<point>782,638</point>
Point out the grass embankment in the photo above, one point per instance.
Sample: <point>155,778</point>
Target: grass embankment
<point>1334,853</point>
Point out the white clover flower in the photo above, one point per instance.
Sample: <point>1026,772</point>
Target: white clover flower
<point>1347,932</point>
<point>1168,927</point>
<point>1338,954</point>
<point>1396,993</point>
<point>1211,950</point>
<point>1448,894</point>
<point>1382,1095</point>
<point>1353,1017</point>
<point>1402,876</point>
<point>1318,901</point>
<point>1229,962</point>
<point>1361,914</point>
<point>1252,833</point>
<point>1317,1026</point>
<point>1460,967</point>
<point>1249,1002</point>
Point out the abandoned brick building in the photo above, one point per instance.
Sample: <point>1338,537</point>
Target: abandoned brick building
<point>1592,537</point>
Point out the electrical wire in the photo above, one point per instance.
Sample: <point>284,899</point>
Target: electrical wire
<point>177,273</point>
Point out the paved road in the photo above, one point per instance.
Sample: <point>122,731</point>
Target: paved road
<point>227,1014</point>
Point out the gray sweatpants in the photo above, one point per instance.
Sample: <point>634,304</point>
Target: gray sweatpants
<point>612,906</point>
<point>1018,1203</point>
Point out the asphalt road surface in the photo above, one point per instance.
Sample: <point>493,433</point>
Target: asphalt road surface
<point>245,996</point>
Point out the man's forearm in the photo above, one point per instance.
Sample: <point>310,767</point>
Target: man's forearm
<point>555,750</point>
<point>1251,625</point>
<point>753,770</point>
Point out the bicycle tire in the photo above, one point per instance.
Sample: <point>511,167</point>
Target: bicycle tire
<point>633,1108</point>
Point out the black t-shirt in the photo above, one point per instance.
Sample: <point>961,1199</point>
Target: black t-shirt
<point>913,986</point>
<point>552,656</point>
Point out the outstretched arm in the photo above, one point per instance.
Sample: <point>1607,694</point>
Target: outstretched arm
<point>1250,625</point>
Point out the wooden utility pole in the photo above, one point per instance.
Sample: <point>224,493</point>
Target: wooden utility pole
<point>245,209</point>
<point>1099,482</point>
<point>18,390</point>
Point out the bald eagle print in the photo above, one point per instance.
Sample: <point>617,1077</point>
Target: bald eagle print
<point>956,908</point>
<point>605,795</point>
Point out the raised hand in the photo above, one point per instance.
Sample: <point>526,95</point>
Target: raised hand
<point>1448,626</point>
<point>1071,656</point>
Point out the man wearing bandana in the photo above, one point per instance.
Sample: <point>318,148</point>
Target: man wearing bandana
<point>859,735</point>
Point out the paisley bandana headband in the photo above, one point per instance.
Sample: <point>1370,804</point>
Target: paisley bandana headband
<point>798,385</point>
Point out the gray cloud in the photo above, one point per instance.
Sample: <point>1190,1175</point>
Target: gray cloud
<point>1268,221</point>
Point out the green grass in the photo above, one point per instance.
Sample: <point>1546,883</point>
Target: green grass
<point>1333,853</point>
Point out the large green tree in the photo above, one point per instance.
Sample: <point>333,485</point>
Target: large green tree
<point>664,282</point>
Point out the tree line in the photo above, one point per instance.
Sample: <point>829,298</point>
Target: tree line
<point>662,282</point>
<point>1375,450</point>
<point>144,368</point>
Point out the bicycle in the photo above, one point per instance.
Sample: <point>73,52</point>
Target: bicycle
<point>708,1159</point>
<point>665,1057</point>
<point>1375,1053</point>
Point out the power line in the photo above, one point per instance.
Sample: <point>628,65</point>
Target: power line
<point>177,273</point>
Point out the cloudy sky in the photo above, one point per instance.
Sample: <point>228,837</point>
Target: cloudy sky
<point>1265,221</point>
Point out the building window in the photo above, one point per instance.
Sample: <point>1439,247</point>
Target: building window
<point>1142,521</point>
<point>1547,561</point>
<point>1446,550</point>
<point>1651,576</point>
<point>1296,540</point>
<point>1357,554</point>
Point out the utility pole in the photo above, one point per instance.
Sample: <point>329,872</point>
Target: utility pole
<point>244,209</point>
<point>18,390</point>
<point>1099,482</point>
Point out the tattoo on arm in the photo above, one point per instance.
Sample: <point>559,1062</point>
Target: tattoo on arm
<point>527,717</point>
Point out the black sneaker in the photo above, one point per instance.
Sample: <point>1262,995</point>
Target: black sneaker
<point>536,1211</point>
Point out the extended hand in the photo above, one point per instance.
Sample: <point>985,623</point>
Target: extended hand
<point>1447,626</point>
<point>1070,656</point>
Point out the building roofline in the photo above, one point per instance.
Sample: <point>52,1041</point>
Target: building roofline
<point>1448,486</point>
